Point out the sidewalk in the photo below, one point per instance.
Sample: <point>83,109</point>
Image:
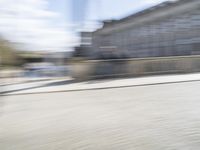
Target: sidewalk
<point>22,80</point>
<point>67,85</point>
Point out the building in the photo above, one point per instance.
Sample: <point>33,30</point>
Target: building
<point>84,49</point>
<point>168,29</point>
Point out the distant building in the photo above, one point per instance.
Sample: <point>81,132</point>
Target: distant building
<point>84,49</point>
<point>168,29</point>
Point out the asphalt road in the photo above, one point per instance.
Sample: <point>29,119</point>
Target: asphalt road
<point>157,117</point>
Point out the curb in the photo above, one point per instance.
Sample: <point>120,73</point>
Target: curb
<point>100,88</point>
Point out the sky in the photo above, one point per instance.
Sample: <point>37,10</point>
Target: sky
<point>51,25</point>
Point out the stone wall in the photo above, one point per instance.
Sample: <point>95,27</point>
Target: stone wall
<point>89,69</point>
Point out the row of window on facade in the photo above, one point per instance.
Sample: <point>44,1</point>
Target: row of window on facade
<point>178,35</point>
<point>179,27</point>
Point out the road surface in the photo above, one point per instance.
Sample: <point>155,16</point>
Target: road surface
<point>155,117</point>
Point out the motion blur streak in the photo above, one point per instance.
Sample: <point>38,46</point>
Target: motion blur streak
<point>99,74</point>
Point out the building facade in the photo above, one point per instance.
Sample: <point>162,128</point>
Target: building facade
<point>168,29</point>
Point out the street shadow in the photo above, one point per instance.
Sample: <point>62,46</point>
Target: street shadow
<point>60,83</point>
<point>57,83</point>
<point>2,103</point>
<point>103,80</point>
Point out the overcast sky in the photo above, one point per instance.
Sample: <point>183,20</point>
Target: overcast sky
<point>48,25</point>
